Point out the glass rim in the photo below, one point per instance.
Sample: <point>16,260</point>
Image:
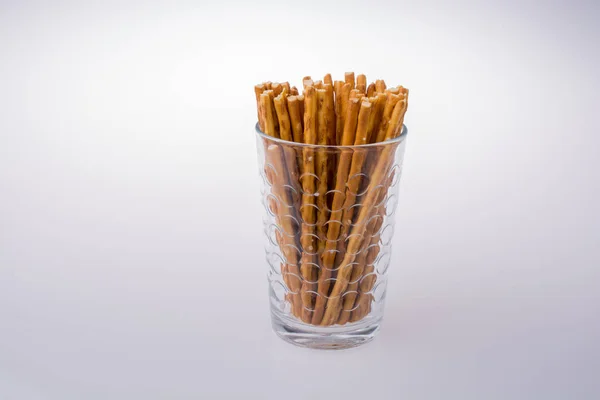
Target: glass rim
<point>399,139</point>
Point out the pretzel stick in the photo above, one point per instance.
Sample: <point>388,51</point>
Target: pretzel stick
<point>339,125</point>
<point>285,129</point>
<point>349,78</point>
<point>362,306</point>
<point>307,81</point>
<point>363,302</point>
<point>277,88</point>
<point>288,242</point>
<point>318,84</point>
<point>334,225</point>
<point>380,86</point>
<point>361,83</point>
<point>371,90</point>
<point>258,90</point>
<point>295,118</point>
<point>267,85</point>
<point>367,210</point>
<point>330,119</point>
<point>345,97</point>
<point>395,124</point>
<point>390,103</point>
<point>267,112</point>
<point>327,80</point>
<point>294,91</point>
<point>286,86</point>
<point>322,171</point>
<point>376,115</point>
<point>329,105</point>
<point>309,244</point>
<point>353,183</point>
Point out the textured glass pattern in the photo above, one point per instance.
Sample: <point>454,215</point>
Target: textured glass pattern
<point>328,244</point>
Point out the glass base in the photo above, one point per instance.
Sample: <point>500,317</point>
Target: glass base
<point>328,338</point>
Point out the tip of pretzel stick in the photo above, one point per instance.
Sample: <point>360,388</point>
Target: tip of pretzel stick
<point>294,90</point>
<point>349,78</point>
<point>327,79</point>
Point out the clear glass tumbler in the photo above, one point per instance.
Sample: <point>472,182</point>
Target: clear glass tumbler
<point>328,223</point>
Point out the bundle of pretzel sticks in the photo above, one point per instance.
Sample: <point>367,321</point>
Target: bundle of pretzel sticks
<point>331,199</point>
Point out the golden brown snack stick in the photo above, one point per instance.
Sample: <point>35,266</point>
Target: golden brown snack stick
<point>380,86</point>
<point>394,126</point>
<point>354,180</point>
<point>318,84</point>
<point>334,303</point>
<point>301,102</point>
<point>277,88</point>
<point>294,91</point>
<point>275,157</point>
<point>330,115</point>
<point>351,293</point>
<point>258,90</point>
<point>307,81</point>
<point>271,94</point>
<point>309,244</point>
<point>327,80</point>
<point>286,86</point>
<point>321,171</point>
<point>285,128</point>
<point>268,111</point>
<point>349,78</point>
<point>371,90</point>
<point>333,230</point>
<point>393,90</point>
<point>295,118</point>
<point>375,119</point>
<point>361,83</point>
<point>339,126</point>
<point>346,88</point>
<point>268,85</point>
<point>390,103</point>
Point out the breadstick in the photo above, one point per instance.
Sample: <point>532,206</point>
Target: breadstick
<point>333,230</point>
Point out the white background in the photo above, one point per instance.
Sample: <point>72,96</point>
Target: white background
<point>131,256</point>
